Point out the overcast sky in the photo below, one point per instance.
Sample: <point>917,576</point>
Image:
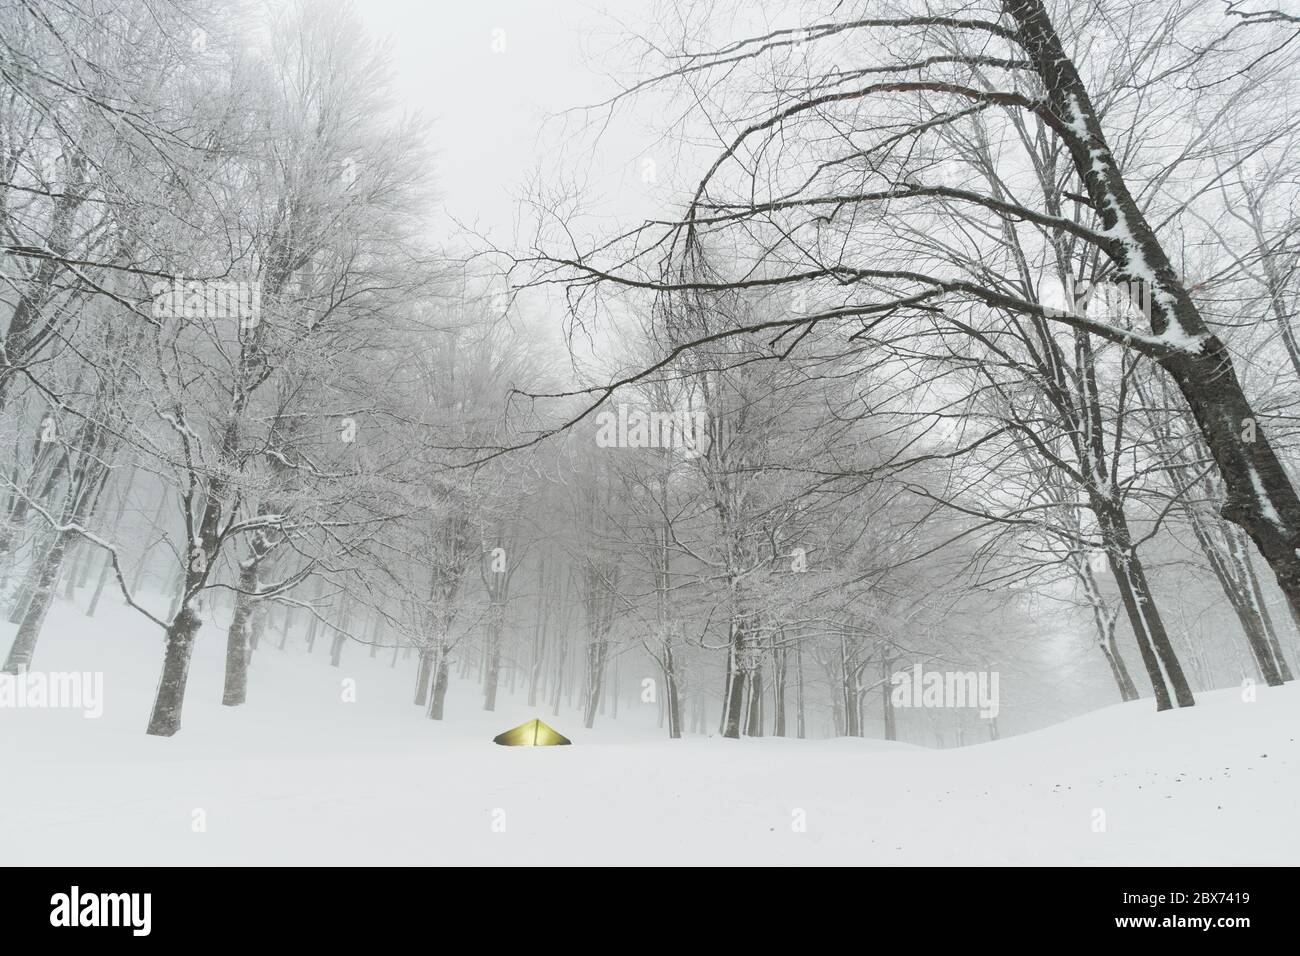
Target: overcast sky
<point>489,73</point>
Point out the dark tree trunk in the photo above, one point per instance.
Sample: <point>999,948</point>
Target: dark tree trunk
<point>165,719</point>
<point>1104,621</point>
<point>439,699</point>
<point>613,691</point>
<point>1258,605</point>
<point>21,506</point>
<point>800,720</point>
<point>734,690</point>
<point>754,726</point>
<point>340,636</point>
<point>256,625</point>
<point>1140,605</point>
<point>313,623</point>
<point>286,625</point>
<point>1259,495</point>
<point>38,603</point>
<point>1230,573</point>
<point>779,666</point>
<point>674,707</point>
<point>886,692</point>
<point>235,689</point>
<point>672,696</point>
<point>1127,689</point>
<point>84,485</point>
<point>422,677</point>
<point>1145,650</point>
<point>41,549</point>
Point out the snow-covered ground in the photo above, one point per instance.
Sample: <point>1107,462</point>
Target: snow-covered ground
<point>300,776</point>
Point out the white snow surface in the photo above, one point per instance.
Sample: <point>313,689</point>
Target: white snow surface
<point>1265,502</point>
<point>297,776</point>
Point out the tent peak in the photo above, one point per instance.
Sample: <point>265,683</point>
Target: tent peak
<point>532,733</point>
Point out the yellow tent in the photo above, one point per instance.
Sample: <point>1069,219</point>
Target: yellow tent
<point>532,734</point>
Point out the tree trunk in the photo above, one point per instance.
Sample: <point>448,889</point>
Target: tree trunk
<point>29,627</point>
<point>492,664</point>
<point>595,681</point>
<point>1127,689</point>
<point>137,575</point>
<point>439,698</point>
<point>779,664</point>
<point>734,689</point>
<point>1140,605</point>
<point>41,548</point>
<point>537,664</point>
<point>313,623</point>
<point>1259,495</point>
<point>165,719</point>
<point>422,677</point>
<point>85,483</point>
<point>1141,633</point>
<point>1255,595</point>
<point>1104,621</point>
<point>256,625</point>
<point>800,721</point>
<point>105,570</point>
<point>754,725</point>
<point>286,625</point>
<point>672,697</point>
<point>76,572</point>
<point>340,636</point>
<point>235,690</point>
<point>1231,572</point>
<point>886,692</point>
<point>613,692</point>
<point>561,663</point>
<point>21,506</point>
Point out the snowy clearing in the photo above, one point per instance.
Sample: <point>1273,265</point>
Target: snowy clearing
<point>297,776</point>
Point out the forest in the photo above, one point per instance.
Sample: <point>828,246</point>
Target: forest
<point>914,339</point>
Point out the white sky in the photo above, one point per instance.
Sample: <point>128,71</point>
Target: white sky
<point>489,107</point>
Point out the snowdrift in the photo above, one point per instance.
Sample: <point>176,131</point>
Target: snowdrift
<point>336,766</point>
